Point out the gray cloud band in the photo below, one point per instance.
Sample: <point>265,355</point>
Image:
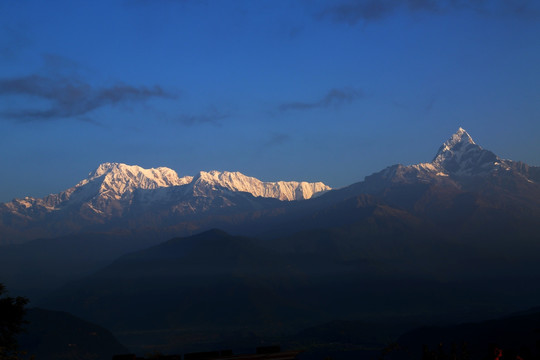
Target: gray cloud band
<point>354,11</point>
<point>334,97</point>
<point>70,97</point>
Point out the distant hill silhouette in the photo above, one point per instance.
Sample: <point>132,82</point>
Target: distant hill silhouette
<point>514,335</point>
<point>214,283</point>
<point>53,335</point>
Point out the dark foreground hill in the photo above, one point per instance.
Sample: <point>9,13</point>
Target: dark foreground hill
<point>53,335</point>
<point>211,283</point>
<point>511,336</point>
<point>35,268</point>
<point>516,335</point>
<point>199,290</point>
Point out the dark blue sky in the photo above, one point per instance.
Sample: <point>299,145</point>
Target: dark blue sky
<point>281,90</point>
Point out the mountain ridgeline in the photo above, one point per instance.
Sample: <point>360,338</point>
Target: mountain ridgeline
<point>119,196</point>
<point>459,187</point>
<point>434,241</point>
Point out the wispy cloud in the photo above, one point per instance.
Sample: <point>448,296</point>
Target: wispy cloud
<point>212,116</point>
<point>12,41</point>
<point>334,97</point>
<point>355,11</point>
<point>528,9</point>
<point>69,97</point>
<point>277,139</point>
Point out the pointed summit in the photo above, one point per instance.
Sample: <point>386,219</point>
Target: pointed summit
<point>458,140</point>
<point>116,180</point>
<point>462,135</point>
<point>460,155</point>
<point>167,176</point>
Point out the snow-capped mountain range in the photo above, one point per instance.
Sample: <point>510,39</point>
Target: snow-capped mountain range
<point>466,214</point>
<point>128,197</point>
<point>121,185</point>
<point>120,181</point>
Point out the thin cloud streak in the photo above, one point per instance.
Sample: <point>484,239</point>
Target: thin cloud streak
<point>12,42</point>
<point>70,97</point>
<point>213,117</point>
<point>354,11</point>
<point>334,97</point>
<point>277,139</point>
<point>522,8</point>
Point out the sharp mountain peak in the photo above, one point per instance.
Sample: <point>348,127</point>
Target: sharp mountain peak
<point>460,155</point>
<point>458,140</point>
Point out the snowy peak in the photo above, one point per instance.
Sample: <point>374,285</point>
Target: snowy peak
<point>282,190</point>
<point>138,176</point>
<point>119,181</point>
<point>118,178</point>
<point>457,143</point>
<point>114,188</point>
<point>460,136</point>
<point>461,156</point>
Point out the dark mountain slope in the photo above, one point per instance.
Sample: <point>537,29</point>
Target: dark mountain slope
<point>212,281</point>
<point>37,267</point>
<point>53,335</point>
<point>514,335</point>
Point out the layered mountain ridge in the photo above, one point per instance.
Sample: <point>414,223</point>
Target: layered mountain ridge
<point>433,240</point>
<point>120,181</point>
<point>120,196</point>
<point>119,191</point>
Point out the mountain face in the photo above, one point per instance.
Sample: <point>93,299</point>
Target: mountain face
<point>462,178</point>
<point>215,287</point>
<point>117,194</point>
<point>464,192</point>
<point>460,169</point>
<point>459,158</point>
<point>454,238</point>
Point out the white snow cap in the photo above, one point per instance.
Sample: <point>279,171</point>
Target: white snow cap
<point>122,177</point>
<point>119,179</point>
<point>461,136</point>
<point>460,155</point>
<point>458,142</point>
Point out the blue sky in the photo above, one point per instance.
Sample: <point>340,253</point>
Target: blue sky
<point>281,90</point>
